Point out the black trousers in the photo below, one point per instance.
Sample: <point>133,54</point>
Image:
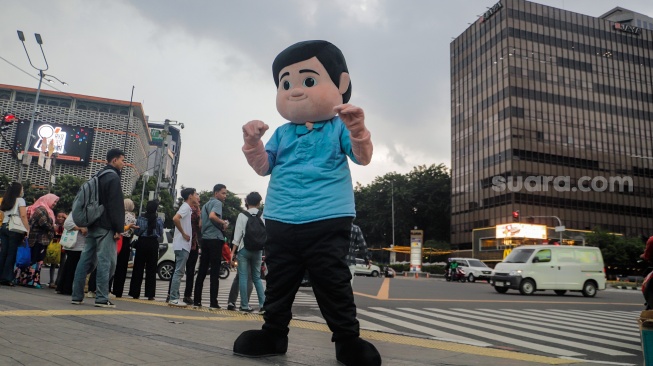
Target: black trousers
<point>147,255</point>
<point>321,248</point>
<point>211,255</point>
<point>190,272</point>
<point>67,272</point>
<point>117,282</point>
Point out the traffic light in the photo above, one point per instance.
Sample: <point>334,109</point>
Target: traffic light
<point>7,119</point>
<point>515,216</point>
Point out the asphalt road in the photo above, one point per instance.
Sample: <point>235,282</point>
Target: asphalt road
<point>602,329</point>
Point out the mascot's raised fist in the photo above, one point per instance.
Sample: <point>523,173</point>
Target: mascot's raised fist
<point>253,131</point>
<point>353,117</point>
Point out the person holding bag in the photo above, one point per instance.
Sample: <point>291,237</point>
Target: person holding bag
<point>41,224</point>
<point>149,230</point>
<point>73,240</point>
<point>14,207</point>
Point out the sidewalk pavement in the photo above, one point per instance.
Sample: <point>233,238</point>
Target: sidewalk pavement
<point>39,327</point>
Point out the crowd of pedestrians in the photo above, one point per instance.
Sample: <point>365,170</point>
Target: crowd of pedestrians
<point>96,260</point>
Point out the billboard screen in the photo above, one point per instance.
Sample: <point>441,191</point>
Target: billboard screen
<point>517,230</point>
<point>73,144</point>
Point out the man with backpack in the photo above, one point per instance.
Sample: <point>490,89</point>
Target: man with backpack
<point>103,231</point>
<point>250,237</point>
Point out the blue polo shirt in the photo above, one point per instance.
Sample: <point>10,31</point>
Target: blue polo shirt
<point>309,173</point>
<point>209,230</point>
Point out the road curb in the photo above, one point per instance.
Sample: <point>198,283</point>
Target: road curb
<point>624,287</point>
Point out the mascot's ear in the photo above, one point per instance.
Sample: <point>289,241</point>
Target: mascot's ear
<point>344,83</point>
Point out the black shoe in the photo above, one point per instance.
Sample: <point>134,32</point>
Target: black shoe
<point>197,305</point>
<point>231,306</point>
<point>188,300</point>
<point>107,304</point>
<point>260,343</point>
<point>357,351</point>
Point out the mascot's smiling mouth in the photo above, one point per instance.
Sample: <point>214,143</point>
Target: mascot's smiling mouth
<point>297,99</point>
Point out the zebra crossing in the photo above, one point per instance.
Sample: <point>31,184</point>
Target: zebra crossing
<point>304,297</point>
<point>565,333</point>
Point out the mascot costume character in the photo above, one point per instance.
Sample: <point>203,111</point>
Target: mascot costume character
<point>309,206</point>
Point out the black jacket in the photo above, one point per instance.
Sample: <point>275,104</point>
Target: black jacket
<point>112,199</point>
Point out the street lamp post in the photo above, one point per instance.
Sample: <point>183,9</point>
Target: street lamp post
<point>25,155</point>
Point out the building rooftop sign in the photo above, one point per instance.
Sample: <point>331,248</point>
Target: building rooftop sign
<point>627,28</point>
<point>491,11</point>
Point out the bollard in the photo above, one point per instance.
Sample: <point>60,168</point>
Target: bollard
<point>646,333</point>
<point>416,275</point>
<point>428,275</point>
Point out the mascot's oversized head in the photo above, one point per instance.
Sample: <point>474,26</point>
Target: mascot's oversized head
<point>311,78</point>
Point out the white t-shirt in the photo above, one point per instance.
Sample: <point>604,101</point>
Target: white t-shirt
<point>20,202</point>
<point>178,241</point>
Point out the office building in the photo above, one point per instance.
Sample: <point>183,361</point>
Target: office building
<point>551,117</point>
<point>81,128</point>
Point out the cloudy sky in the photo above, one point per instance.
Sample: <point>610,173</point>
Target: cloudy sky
<point>208,64</point>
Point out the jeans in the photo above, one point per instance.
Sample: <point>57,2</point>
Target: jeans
<point>181,256</point>
<point>10,242</point>
<point>250,259</point>
<point>100,251</point>
<point>211,255</point>
<point>235,288</point>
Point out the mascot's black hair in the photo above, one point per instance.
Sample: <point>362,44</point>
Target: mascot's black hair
<point>329,56</point>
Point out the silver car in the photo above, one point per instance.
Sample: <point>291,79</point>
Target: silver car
<point>362,269</point>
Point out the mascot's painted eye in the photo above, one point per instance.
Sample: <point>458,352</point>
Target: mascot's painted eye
<point>309,82</point>
<point>286,85</point>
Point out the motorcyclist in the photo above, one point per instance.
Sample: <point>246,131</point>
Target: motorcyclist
<point>454,270</point>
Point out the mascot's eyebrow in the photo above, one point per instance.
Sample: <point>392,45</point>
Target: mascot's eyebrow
<point>300,71</point>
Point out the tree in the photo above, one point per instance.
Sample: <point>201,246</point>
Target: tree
<point>422,198</point>
<point>66,188</point>
<point>617,250</point>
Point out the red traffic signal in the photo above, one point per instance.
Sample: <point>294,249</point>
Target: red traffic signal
<point>8,118</point>
<point>515,216</point>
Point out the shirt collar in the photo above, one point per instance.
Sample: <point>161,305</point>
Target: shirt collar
<point>302,130</point>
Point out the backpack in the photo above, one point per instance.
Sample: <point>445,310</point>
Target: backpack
<point>86,206</point>
<point>255,234</point>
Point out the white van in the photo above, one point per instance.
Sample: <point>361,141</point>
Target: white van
<point>474,268</point>
<point>531,268</point>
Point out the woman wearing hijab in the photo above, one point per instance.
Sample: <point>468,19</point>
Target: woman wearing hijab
<point>12,204</point>
<point>41,231</point>
<point>117,283</point>
<point>149,230</point>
